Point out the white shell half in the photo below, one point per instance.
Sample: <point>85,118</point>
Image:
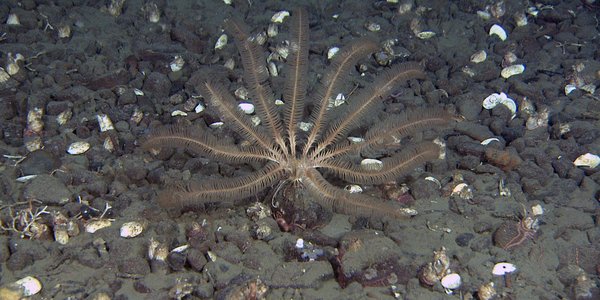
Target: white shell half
<point>424,35</point>
<point>199,108</point>
<point>353,188</point>
<point>131,229</point>
<point>537,210</point>
<point>494,99</point>
<point>105,123</point>
<point>371,164</point>
<point>487,141</point>
<point>512,70</point>
<point>498,31</point>
<point>479,56</point>
<point>332,52</point>
<point>96,225</point>
<point>178,113</point>
<point>78,148</point>
<point>221,42</point>
<point>216,125</point>
<point>503,268</point>
<point>587,160</point>
<point>451,281</point>
<point>29,286</point>
<point>247,108</point>
<point>279,16</point>
<point>13,19</point>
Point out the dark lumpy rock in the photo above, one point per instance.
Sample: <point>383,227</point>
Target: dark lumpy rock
<point>134,265</point>
<point>39,162</point>
<point>463,239</point>
<point>47,189</point>
<point>158,84</point>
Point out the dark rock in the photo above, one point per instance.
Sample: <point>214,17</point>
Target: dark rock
<point>176,261</point>
<point>469,162</point>
<point>90,258</point>
<point>158,85</point>
<point>476,131</point>
<point>134,265</point>
<point>463,239</point>
<point>47,189</point>
<point>223,272</point>
<point>39,162</point>
<point>423,189</point>
<point>19,260</point>
<point>196,259</point>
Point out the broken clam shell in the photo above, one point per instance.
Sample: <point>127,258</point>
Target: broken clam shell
<point>96,225</point>
<point>279,16</point>
<point>131,229</point>
<point>221,42</point>
<point>587,160</point>
<point>479,56</point>
<point>503,268</point>
<point>512,70</point>
<point>78,147</point>
<point>498,31</point>
<point>104,122</point>
<point>371,164</point>
<point>450,282</point>
<point>24,287</point>
<point>494,99</point>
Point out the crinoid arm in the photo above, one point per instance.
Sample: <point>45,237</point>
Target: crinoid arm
<point>199,141</point>
<point>344,202</point>
<point>196,193</point>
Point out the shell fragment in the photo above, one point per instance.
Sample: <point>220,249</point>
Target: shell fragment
<point>498,31</point>
<point>512,70</point>
<point>450,282</point>
<point>587,160</point>
<point>78,147</point>
<point>371,164</point>
<point>503,268</point>
<point>279,16</point>
<point>494,99</point>
<point>479,56</point>
<point>221,42</point>
<point>131,229</point>
<point>247,108</point>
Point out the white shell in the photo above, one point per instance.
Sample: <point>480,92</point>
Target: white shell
<point>537,210</point>
<point>354,139</point>
<point>199,108</point>
<point>425,35</point>
<point>512,70</point>
<point>28,286</point>
<point>498,31</point>
<point>503,268</point>
<point>13,19</point>
<point>279,16</point>
<point>279,102</point>
<point>494,99</point>
<point>177,63</point>
<point>339,100</point>
<point>520,19</point>
<point>26,178</point>
<point>105,123</point>
<point>61,235</point>
<point>332,52</point>
<point>255,120</point>
<point>4,76</point>
<point>434,180</point>
<point>587,160</point>
<point>179,113</point>
<point>299,243</point>
<point>64,117</point>
<point>487,141</point>
<point>221,42</point>
<point>479,56</point>
<point>138,92</point>
<point>590,88</point>
<point>216,125</point>
<point>371,164</point>
<point>272,31</point>
<point>131,229</point>
<point>78,147</point>
<point>96,225</point>
<point>353,188</point>
<point>484,15</point>
<point>180,248</point>
<point>305,126</point>
<point>451,281</point>
<point>247,108</point>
